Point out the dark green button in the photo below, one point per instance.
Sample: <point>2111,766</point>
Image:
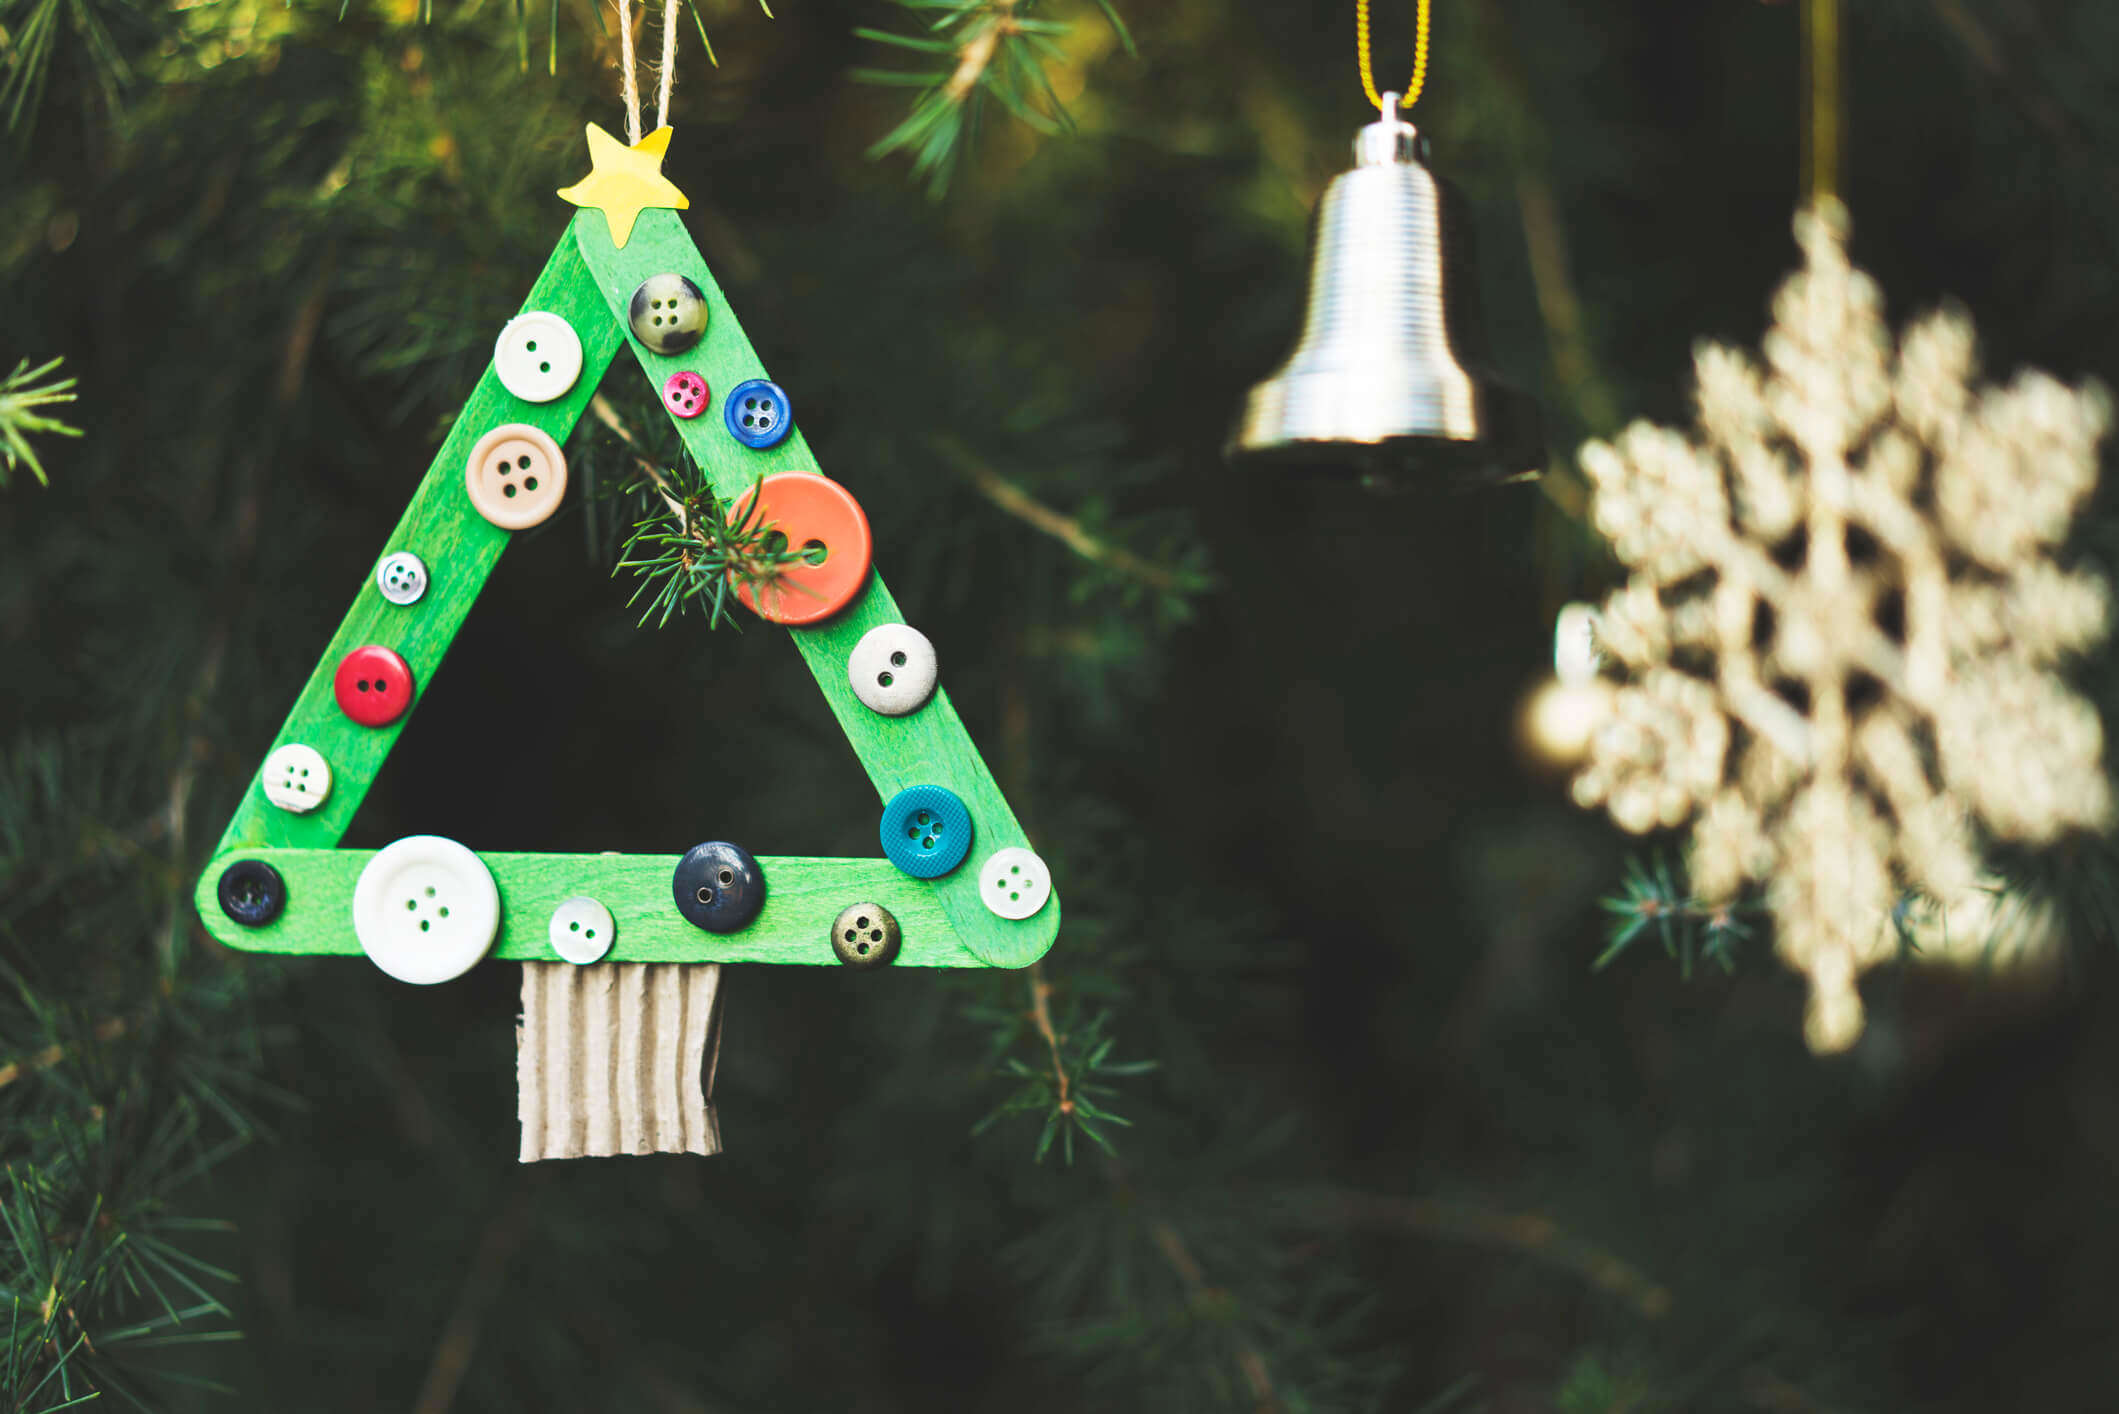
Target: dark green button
<point>865,935</point>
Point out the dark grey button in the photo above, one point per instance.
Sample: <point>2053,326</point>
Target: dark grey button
<point>668,313</point>
<point>865,935</point>
<point>719,886</point>
<point>251,892</point>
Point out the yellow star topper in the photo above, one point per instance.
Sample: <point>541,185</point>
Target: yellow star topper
<point>624,181</point>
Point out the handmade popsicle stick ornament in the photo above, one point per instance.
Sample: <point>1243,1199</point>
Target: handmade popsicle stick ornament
<point>621,951</point>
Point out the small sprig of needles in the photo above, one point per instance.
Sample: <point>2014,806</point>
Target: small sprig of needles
<point>691,551</point>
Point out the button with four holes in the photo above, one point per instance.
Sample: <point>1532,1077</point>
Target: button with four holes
<point>757,413</point>
<point>719,886</point>
<point>819,517</point>
<point>296,777</point>
<point>865,935</point>
<point>582,930</point>
<point>516,476</point>
<point>537,356</point>
<point>251,892</point>
<point>402,577</point>
<point>1014,882</point>
<point>373,686</point>
<point>425,909</point>
<point>668,313</point>
<point>685,394</point>
<point>892,669</point>
<point>926,831</point>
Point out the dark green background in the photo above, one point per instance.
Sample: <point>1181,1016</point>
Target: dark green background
<point>1305,863</point>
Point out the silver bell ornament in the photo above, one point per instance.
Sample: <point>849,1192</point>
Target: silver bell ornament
<point>1389,380</point>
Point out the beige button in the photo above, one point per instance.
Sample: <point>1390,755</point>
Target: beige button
<point>516,476</point>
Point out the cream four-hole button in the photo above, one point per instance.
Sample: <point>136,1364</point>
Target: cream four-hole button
<point>426,909</point>
<point>516,476</point>
<point>296,777</point>
<point>537,356</point>
<point>582,930</point>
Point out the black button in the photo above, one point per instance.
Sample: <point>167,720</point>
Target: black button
<point>719,886</point>
<point>865,935</point>
<point>251,892</point>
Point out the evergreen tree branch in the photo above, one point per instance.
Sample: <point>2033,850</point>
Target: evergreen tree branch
<point>1009,497</point>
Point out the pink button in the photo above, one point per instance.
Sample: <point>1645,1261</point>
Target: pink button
<point>373,686</point>
<point>685,394</point>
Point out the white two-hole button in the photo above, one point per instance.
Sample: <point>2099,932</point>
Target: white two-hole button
<point>297,778</point>
<point>538,356</point>
<point>892,669</point>
<point>425,909</point>
<point>402,577</point>
<point>1014,882</point>
<point>582,930</point>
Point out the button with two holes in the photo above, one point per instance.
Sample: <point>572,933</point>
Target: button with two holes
<point>251,892</point>
<point>373,686</point>
<point>865,935</point>
<point>537,356</point>
<point>425,909</point>
<point>926,831</point>
<point>296,777</point>
<point>581,930</point>
<point>817,516</point>
<point>718,886</point>
<point>892,669</point>
<point>757,414</point>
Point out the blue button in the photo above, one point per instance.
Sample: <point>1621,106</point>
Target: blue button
<point>758,415</point>
<point>719,886</point>
<point>926,831</point>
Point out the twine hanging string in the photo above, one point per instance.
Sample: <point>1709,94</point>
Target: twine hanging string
<point>628,68</point>
<point>1361,50</point>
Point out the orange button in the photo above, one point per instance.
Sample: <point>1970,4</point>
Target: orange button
<point>821,517</point>
<point>516,476</point>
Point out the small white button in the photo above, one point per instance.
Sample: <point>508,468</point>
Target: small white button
<point>425,909</point>
<point>1014,882</point>
<point>297,778</point>
<point>892,669</point>
<point>582,930</point>
<point>538,356</point>
<point>402,577</point>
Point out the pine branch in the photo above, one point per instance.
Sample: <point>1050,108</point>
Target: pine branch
<point>20,397</point>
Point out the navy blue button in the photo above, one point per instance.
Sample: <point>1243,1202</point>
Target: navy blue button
<point>926,831</point>
<point>251,892</point>
<point>719,886</point>
<point>757,414</point>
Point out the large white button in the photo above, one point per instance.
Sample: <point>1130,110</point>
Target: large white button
<point>892,669</point>
<point>425,909</point>
<point>538,356</point>
<point>402,578</point>
<point>1014,882</point>
<point>582,930</point>
<point>297,778</point>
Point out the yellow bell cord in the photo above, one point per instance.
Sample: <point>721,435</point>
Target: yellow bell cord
<point>1361,47</point>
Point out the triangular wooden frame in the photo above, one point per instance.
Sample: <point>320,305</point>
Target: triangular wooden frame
<point>589,282</point>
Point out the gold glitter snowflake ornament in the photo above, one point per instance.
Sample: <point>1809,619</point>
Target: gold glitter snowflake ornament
<point>1839,636</point>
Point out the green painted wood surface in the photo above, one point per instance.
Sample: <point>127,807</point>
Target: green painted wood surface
<point>460,548</point>
<point>802,898</point>
<point>590,284</point>
<point>929,746</point>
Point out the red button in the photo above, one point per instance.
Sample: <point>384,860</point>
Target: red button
<point>374,686</point>
<point>685,394</point>
<point>820,517</point>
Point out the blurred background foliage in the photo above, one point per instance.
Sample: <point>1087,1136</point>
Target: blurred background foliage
<point>1400,1148</point>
